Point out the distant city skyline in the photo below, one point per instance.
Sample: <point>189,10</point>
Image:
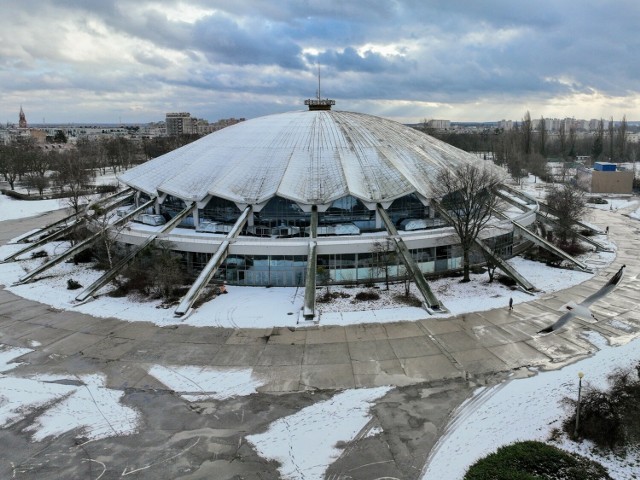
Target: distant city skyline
<point>121,62</point>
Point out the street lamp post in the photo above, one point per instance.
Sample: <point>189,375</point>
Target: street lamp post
<point>580,375</point>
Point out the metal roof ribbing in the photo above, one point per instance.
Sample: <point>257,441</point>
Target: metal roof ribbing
<point>311,157</point>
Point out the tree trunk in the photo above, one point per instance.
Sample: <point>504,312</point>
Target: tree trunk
<point>465,264</point>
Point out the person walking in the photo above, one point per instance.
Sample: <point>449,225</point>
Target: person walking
<point>510,303</point>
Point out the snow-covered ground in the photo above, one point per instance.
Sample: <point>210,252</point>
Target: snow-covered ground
<point>12,209</point>
<point>305,442</point>
<point>529,409</point>
<point>195,383</point>
<point>68,402</point>
<point>258,307</point>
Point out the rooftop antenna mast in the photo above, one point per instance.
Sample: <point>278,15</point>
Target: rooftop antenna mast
<point>318,103</point>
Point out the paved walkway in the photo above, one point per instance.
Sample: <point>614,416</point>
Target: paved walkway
<point>436,364</point>
<point>335,357</point>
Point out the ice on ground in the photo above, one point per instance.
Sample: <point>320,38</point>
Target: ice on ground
<point>195,383</point>
<point>305,443</point>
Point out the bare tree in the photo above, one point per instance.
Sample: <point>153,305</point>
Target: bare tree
<point>568,205</point>
<point>571,140</point>
<point>72,177</point>
<point>538,166</point>
<point>32,180</point>
<point>542,137</point>
<point>562,137</point>
<point>468,195</point>
<point>621,140</point>
<point>384,257</point>
<point>598,142</point>
<point>611,140</point>
<point>12,163</point>
<point>527,134</point>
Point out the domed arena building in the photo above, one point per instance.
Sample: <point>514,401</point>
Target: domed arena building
<point>273,195</point>
<point>309,198</point>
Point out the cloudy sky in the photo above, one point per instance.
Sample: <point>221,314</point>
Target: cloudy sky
<point>134,60</point>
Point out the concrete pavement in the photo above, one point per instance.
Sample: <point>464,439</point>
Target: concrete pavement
<point>436,362</point>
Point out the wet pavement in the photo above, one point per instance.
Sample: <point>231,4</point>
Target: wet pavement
<point>435,363</point>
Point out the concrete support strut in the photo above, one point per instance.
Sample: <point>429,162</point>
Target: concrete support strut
<point>128,192</point>
<point>80,246</point>
<point>430,300</point>
<point>111,274</point>
<point>538,240</point>
<point>309,311</point>
<point>546,208</point>
<point>77,218</point>
<point>579,236</point>
<point>212,266</point>
<point>502,265</point>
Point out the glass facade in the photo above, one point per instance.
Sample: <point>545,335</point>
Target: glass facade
<point>407,207</point>
<point>257,270</point>
<point>219,210</point>
<point>349,210</point>
<point>290,270</point>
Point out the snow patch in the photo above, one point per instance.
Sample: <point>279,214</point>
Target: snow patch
<point>305,443</point>
<point>195,383</point>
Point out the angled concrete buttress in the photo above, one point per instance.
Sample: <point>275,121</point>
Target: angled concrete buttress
<point>309,311</point>
<point>538,240</point>
<point>76,219</point>
<point>212,266</point>
<point>430,300</point>
<point>502,265</point>
<point>80,246</point>
<point>546,208</point>
<point>579,236</point>
<point>111,274</point>
<point>25,238</point>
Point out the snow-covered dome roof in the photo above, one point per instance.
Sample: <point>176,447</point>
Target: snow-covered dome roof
<point>309,157</point>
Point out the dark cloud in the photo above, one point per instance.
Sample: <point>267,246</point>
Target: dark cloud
<point>453,53</point>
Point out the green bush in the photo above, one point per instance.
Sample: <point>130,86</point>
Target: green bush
<point>535,461</point>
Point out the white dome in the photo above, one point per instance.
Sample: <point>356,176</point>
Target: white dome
<point>309,157</point>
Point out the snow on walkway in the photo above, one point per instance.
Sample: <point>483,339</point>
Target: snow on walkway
<point>69,402</point>
<point>528,409</point>
<point>195,383</point>
<point>305,443</point>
